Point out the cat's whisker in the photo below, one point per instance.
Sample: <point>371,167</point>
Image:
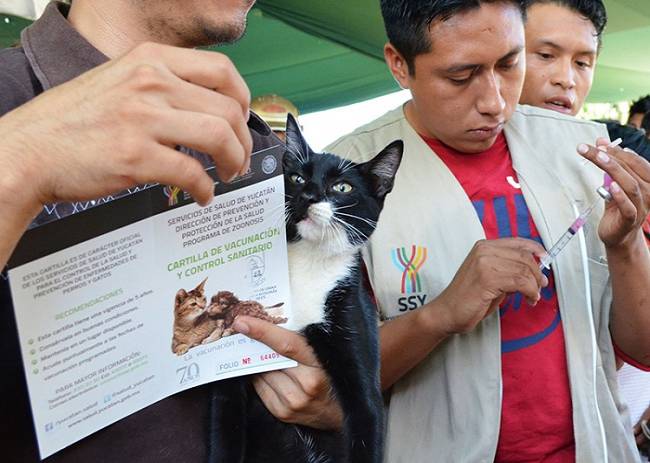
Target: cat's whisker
<point>372,223</point>
<point>301,159</point>
<point>345,207</point>
<point>352,228</point>
<point>368,222</point>
<point>347,166</point>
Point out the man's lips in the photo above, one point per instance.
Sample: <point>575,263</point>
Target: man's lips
<point>561,104</point>
<point>486,132</point>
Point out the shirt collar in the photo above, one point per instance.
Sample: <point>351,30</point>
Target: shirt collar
<point>56,51</point>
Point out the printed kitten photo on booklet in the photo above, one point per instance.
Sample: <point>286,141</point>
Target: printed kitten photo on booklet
<point>196,322</point>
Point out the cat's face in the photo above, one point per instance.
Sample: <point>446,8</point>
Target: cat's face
<point>190,305</point>
<point>331,201</point>
<point>221,302</point>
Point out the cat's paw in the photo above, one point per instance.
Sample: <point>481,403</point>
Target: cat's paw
<point>181,350</point>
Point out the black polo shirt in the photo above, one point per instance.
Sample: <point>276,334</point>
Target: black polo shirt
<point>172,430</point>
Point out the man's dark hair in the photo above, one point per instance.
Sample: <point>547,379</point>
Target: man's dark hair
<point>640,106</point>
<point>593,10</point>
<point>407,22</point>
<point>645,123</point>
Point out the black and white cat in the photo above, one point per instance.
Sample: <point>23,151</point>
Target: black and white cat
<point>332,206</point>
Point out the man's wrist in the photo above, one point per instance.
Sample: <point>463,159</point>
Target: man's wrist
<point>434,317</point>
<point>19,192</point>
<point>628,249</point>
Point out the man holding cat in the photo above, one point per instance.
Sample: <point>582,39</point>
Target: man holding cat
<point>482,185</point>
<point>114,127</point>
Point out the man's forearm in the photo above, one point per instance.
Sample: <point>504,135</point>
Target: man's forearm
<point>630,322</point>
<point>406,340</point>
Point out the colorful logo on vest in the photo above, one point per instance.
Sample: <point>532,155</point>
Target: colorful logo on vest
<point>172,192</point>
<point>409,261</point>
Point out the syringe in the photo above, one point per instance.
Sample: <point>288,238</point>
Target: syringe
<point>545,262</point>
<point>603,192</point>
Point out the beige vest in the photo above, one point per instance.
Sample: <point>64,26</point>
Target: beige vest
<point>448,408</point>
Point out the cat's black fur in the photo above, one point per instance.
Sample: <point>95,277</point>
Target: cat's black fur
<point>346,342</point>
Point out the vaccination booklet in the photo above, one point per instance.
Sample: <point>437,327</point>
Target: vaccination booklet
<point>127,303</point>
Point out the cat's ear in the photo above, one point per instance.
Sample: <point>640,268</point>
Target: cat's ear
<point>383,167</point>
<point>201,286</point>
<point>296,143</point>
<point>181,295</point>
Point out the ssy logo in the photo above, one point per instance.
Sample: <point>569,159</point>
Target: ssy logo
<point>172,192</point>
<point>409,262</point>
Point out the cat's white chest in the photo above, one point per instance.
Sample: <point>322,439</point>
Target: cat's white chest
<point>313,274</point>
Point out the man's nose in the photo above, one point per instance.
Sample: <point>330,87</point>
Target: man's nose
<point>564,74</point>
<point>491,101</point>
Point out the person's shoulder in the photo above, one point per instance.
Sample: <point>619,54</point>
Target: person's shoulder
<point>541,116</point>
<point>18,84</point>
<point>366,140</point>
<point>543,127</point>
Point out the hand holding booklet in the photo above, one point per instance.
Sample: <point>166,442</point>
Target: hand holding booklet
<point>128,303</point>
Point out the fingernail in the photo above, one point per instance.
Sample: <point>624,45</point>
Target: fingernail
<point>241,327</point>
<point>615,187</point>
<point>582,148</point>
<point>602,157</point>
<point>628,150</point>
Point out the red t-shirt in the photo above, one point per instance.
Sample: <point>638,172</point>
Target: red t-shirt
<point>536,416</point>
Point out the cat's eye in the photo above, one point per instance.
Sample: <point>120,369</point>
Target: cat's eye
<point>342,187</point>
<point>295,178</point>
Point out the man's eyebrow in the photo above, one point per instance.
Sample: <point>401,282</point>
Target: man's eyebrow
<point>461,67</point>
<point>470,67</point>
<point>557,46</point>
<point>514,52</point>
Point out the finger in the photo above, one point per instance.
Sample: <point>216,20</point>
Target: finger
<point>197,99</point>
<point>208,134</point>
<point>626,207</point>
<point>312,381</point>
<point>637,164</point>
<point>283,341</point>
<point>292,399</point>
<point>269,397</point>
<point>169,167</point>
<point>610,165</point>
<point>513,276</point>
<point>520,252</point>
<point>520,244</point>
<point>205,68</point>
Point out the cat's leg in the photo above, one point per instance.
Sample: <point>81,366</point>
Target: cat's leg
<point>181,349</point>
<point>228,332</point>
<point>228,415</point>
<point>353,368</point>
<point>216,334</point>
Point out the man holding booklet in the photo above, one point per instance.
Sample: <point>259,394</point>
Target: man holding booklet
<point>112,128</point>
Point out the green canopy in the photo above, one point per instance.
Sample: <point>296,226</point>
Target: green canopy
<point>327,53</point>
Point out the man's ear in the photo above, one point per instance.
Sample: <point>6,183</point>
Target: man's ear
<point>397,65</point>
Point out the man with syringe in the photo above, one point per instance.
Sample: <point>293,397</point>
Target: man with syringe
<point>501,363</point>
